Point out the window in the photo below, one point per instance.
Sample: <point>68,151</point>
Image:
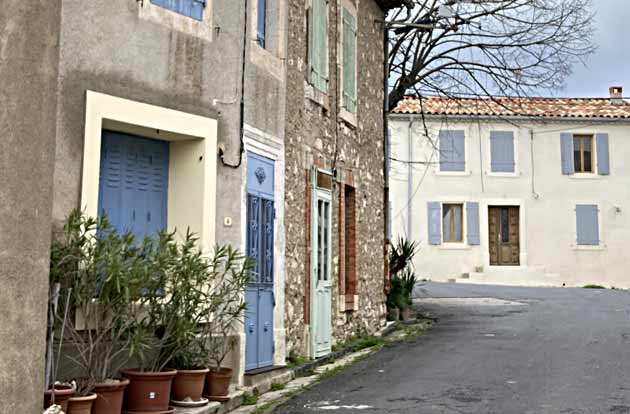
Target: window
<point>452,223</point>
<point>587,224</point>
<point>502,152</point>
<point>349,70</point>
<point>318,44</point>
<point>583,153</point>
<point>350,245</point>
<point>452,151</point>
<point>190,8</point>
<point>261,22</point>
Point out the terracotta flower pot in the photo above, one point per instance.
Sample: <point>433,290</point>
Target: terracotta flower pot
<point>148,391</point>
<point>188,384</point>
<point>218,384</point>
<point>62,394</point>
<point>81,405</point>
<point>109,397</point>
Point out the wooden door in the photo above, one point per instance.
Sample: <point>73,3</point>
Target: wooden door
<point>503,235</point>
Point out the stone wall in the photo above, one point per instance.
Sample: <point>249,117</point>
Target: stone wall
<point>316,134</point>
<point>29,49</point>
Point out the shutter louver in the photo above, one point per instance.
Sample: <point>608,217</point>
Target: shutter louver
<point>566,153</point>
<point>472,223</point>
<point>349,61</point>
<point>261,22</point>
<point>452,151</point>
<point>502,151</point>
<point>603,154</point>
<point>587,225</point>
<point>434,222</point>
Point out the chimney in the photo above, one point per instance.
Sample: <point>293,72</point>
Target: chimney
<point>616,95</point>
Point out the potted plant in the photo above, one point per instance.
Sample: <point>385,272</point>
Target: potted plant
<point>100,275</point>
<point>231,273</point>
<point>176,291</point>
<point>402,280</point>
<point>190,380</point>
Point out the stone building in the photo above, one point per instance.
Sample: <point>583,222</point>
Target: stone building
<point>334,215</point>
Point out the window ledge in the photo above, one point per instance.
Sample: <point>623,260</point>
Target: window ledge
<point>599,247</point>
<point>586,176</point>
<point>453,173</point>
<point>348,117</point>
<point>503,174</point>
<point>454,246</point>
<point>316,96</point>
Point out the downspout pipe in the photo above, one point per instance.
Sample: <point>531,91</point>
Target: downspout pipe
<point>241,131</point>
<point>386,136</point>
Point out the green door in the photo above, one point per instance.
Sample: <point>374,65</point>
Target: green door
<point>321,245</point>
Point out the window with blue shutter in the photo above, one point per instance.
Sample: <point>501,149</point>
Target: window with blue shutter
<point>502,151</point>
<point>349,42</point>
<point>318,44</point>
<point>261,27</point>
<point>587,224</point>
<point>452,151</point>
<point>190,8</point>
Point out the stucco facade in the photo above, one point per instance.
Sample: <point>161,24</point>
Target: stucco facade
<point>205,86</point>
<point>321,135</point>
<point>29,49</point>
<point>550,251</point>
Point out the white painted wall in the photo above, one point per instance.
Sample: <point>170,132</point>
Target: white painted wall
<point>549,255</point>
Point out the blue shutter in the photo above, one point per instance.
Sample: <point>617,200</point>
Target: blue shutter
<point>501,151</point>
<point>587,224</point>
<point>603,154</point>
<point>434,221</point>
<point>452,151</point>
<point>261,27</point>
<point>133,188</point>
<point>566,153</point>
<point>190,8</point>
<point>472,223</point>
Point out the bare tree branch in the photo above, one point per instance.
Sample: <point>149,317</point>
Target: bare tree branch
<point>488,48</point>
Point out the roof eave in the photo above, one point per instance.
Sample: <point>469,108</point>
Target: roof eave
<point>512,117</point>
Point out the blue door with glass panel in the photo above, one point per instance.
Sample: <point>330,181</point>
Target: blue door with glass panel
<point>260,247</point>
<point>133,183</point>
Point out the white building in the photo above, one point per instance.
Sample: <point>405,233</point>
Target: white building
<point>531,191</point>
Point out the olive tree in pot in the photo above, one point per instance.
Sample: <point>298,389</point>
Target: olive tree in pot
<point>101,276</point>
<point>231,272</point>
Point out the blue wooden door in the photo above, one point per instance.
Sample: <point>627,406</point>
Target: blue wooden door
<point>133,183</point>
<point>260,247</point>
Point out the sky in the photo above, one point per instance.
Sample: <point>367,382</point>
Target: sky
<point>610,65</point>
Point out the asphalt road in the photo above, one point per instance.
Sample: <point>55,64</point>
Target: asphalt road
<point>537,350</point>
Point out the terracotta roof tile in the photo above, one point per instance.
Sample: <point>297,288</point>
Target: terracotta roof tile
<point>504,106</point>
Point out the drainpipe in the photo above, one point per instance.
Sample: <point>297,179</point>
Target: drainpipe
<point>410,181</point>
<point>242,103</point>
<point>531,149</point>
<point>386,141</point>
